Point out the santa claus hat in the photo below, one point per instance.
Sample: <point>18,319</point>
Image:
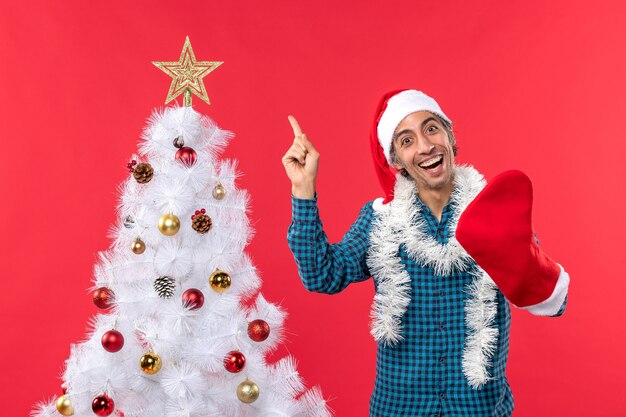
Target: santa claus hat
<point>392,108</point>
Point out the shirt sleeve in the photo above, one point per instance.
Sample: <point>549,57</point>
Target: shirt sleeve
<point>323,267</point>
<point>562,309</point>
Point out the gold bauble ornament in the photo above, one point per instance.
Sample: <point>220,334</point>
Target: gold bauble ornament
<point>247,392</point>
<point>169,224</point>
<point>64,406</point>
<point>138,247</point>
<point>219,281</point>
<point>219,192</point>
<point>150,363</point>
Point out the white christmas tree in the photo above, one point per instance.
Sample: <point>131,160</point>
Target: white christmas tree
<point>175,338</point>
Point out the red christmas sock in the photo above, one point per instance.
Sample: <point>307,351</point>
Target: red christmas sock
<point>496,230</point>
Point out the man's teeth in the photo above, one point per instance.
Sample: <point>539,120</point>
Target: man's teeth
<point>431,162</point>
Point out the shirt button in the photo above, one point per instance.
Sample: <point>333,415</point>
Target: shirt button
<point>441,293</point>
<point>442,359</point>
<point>442,326</point>
<point>442,395</point>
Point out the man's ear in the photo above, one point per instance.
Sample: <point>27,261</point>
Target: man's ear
<point>396,165</point>
<point>394,161</point>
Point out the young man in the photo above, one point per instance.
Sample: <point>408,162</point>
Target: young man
<point>446,253</point>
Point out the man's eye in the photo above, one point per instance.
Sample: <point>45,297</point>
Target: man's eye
<point>405,140</point>
<point>432,129</point>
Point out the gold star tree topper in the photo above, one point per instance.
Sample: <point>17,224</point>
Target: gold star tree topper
<point>187,75</point>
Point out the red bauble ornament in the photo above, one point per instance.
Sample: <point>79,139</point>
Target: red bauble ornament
<point>103,298</point>
<point>103,405</point>
<point>258,330</point>
<point>112,341</point>
<point>186,155</point>
<point>234,361</point>
<point>193,299</point>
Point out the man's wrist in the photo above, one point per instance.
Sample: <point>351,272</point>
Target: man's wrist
<point>305,192</point>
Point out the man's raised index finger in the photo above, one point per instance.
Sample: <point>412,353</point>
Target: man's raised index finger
<point>295,126</point>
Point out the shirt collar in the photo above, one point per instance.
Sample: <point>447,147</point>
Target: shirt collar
<point>446,213</point>
<point>447,208</point>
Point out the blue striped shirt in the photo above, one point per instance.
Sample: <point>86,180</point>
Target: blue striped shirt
<point>422,375</point>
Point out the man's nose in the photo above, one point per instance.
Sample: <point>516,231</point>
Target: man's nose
<point>424,145</point>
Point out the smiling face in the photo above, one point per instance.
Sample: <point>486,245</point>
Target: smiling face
<point>423,149</point>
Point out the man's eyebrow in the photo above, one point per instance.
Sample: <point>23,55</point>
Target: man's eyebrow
<point>428,120</point>
<point>402,132</point>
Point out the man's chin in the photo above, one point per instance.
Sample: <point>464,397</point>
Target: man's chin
<point>434,184</point>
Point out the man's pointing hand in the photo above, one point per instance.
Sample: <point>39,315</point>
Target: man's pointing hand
<point>301,163</point>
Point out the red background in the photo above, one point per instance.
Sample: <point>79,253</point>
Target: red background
<point>532,86</point>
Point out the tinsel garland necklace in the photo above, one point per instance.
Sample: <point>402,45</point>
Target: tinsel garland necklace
<point>399,222</point>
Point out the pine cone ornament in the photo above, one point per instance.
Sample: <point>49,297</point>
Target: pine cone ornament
<point>143,172</point>
<point>164,286</point>
<point>201,222</point>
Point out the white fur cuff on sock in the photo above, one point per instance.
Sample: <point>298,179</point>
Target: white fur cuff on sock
<point>552,305</point>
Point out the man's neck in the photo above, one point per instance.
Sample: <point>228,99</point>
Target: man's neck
<point>436,199</point>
